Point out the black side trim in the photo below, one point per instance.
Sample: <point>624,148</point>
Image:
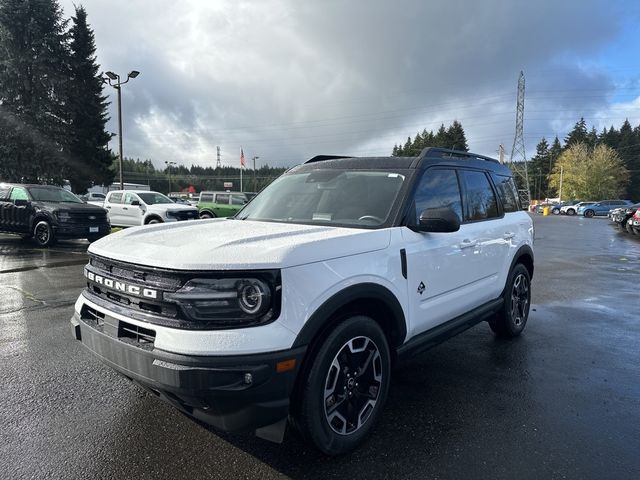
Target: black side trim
<point>426,340</point>
<point>364,291</point>
<point>403,262</point>
<point>523,250</point>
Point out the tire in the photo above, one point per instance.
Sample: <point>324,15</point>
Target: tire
<point>153,221</point>
<point>628,227</point>
<point>43,234</point>
<point>336,411</point>
<point>571,212</point>
<point>556,211</point>
<point>205,215</point>
<point>510,321</point>
<point>589,213</point>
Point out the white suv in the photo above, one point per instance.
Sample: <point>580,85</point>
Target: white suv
<point>128,208</point>
<point>299,306</point>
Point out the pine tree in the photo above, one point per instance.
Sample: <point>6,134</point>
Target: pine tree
<point>540,169</point>
<point>629,150</point>
<point>441,138</point>
<point>89,159</point>
<point>579,134</point>
<point>456,138</point>
<point>33,75</point>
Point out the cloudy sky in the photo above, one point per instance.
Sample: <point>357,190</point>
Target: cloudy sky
<point>286,80</point>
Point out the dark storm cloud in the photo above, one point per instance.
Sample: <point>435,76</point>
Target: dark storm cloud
<point>286,80</point>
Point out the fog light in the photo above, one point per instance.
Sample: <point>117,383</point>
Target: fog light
<point>248,378</point>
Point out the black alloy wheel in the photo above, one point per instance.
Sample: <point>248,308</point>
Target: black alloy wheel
<point>341,395</point>
<point>43,234</point>
<point>510,321</point>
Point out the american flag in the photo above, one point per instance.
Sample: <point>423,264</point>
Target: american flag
<point>242,162</point>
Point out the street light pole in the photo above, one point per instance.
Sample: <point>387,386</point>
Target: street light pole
<point>114,80</point>
<point>255,182</point>
<point>169,168</point>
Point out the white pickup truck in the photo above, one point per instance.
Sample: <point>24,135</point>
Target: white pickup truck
<point>130,208</point>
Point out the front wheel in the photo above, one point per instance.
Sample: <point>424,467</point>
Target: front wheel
<point>510,321</point>
<point>571,212</point>
<point>346,387</point>
<point>589,213</point>
<point>206,215</point>
<point>43,234</point>
<point>556,211</point>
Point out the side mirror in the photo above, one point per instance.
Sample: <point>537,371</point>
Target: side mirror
<point>443,220</point>
<point>135,203</point>
<point>21,202</point>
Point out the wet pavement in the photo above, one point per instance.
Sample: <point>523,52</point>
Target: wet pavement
<point>562,401</point>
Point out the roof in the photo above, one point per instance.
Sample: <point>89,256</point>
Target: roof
<point>428,157</point>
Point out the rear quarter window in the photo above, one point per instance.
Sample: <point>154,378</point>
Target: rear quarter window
<point>507,192</point>
<point>479,200</point>
<point>115,198</point>
<point>206,197</point>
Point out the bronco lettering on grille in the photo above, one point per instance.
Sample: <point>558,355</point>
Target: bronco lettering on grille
<point>121,286</point>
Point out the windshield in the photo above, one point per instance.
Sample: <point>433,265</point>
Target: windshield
<point>152,198</point>
<point>342,197</point>
<point>57,195</point>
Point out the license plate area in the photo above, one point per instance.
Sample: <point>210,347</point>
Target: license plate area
<point>124,331</point>
<point>94,229</point>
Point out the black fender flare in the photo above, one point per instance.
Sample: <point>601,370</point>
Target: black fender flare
<point>523,251</point>
<point>320,319</point>
<point>153,216</point>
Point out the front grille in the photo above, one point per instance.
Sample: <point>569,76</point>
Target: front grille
<point>185,215</point>
<point>85,218</point>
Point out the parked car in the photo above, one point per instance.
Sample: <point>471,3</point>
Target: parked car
<point>221,204</point>
<point>299,307</point>
<point>621,215</point>
<point>601,208</point>
<point>94,198</point>
<point>128,208</point>
<point>572,208</point>
<point>633,223</point>
<point>47,213</point>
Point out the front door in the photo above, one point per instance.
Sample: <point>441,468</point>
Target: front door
<point>20,210</point>
<point>131,214</point>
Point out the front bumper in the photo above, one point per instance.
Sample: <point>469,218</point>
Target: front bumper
<point>65,230</point>
<point>231,393</point>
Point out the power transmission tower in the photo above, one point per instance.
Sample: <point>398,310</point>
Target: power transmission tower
<point>218,164</point>
<point>518,160</point>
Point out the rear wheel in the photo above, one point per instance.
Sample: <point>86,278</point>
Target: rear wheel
<point>510,321</point>
<point>556,211</point>
<point>43,234</point>
<point>346,387</point>
<point>206,215</point>
<point>589,213</point>
<point>571,211</point>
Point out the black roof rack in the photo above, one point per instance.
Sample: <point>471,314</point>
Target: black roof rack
<point>435,152</point>
<point>319,158</point>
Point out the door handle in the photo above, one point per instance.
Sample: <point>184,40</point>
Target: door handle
<point>108,206</point>
<point>508,235</point>
<point>125,208</point>
<point>468,243</point>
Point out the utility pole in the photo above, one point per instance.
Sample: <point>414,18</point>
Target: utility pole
<point>218,164</point>
<point>560,192</point>
<point>501,153</point>
<point>117,84</point>
<point>255,180</point>
<point>518,153</point>
<point>169,164</point>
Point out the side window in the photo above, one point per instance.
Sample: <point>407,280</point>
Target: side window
<point>222,198</point>
<point>438,188</point>
<point>507,192</point>
<point>115,198</point>
<point>130,197</point>
<point>238,200</point>
<point>4,192</point>
<point>206,197</point>
<point>19,193</point>
<point>480,201</point>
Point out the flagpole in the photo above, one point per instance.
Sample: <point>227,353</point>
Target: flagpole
<point>240,178</point>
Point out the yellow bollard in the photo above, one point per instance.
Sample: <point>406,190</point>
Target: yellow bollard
<point>545,211</point>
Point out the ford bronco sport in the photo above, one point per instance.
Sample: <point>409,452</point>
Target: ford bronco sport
<point>298,307</point>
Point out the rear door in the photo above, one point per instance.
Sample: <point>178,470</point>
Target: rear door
<point>113,204</point>
<point>21,209</point>
<point>5,208</point>
<point>222,208</point>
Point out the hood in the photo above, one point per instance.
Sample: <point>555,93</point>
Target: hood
<point>171,206</point>
<point>224,244</point>
<point>69,207</point>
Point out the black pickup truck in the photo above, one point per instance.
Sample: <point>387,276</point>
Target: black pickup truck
<point>47,213</point>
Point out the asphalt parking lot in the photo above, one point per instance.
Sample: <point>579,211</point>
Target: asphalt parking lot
<point>562,401</point>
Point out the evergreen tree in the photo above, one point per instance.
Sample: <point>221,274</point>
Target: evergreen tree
<point>579,134</point>
<point>592,137</point>
<point>456,138</point>
<point>441,138</point>
<point>540,169</point>
<point>89,160</point>
<point>33,76</point>
<point>629,150</point>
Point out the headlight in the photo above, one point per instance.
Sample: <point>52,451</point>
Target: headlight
<point>170,213</point>
<point>230,301</point>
